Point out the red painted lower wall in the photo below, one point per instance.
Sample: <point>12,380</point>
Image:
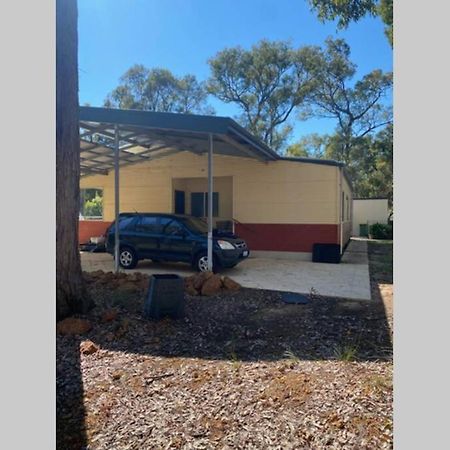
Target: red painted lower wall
<point>286,237</point>
<point>259,236</point>
<point>90,228</point>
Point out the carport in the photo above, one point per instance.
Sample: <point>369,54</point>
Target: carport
<point>113,138</point>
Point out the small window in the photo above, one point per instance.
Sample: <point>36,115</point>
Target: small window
<point>148,224</point>
<point>91,204</point>
<point>199,204</point>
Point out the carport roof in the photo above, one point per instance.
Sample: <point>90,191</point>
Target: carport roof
<point>147,135</point>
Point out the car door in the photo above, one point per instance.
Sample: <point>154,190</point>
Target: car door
<point>176,242</point>
<point>146,236</point>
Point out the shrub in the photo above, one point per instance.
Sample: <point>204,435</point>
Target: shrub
<point>381,231</point>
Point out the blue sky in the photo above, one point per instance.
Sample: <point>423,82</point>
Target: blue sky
<point>181,35</point>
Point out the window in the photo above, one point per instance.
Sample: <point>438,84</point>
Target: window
<point>124,223</point>
<point>148,224</point>
<point>171,227</point>
<point>342,207</point>
<point>91,204</point>
<point>199,204</point>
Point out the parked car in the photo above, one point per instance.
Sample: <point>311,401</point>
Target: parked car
<point>173,237</point>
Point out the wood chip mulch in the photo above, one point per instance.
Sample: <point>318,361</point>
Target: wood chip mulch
<point>242,370</point>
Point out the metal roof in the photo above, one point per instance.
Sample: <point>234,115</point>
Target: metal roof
<point>148,135</point>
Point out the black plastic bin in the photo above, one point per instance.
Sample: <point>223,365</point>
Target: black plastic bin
<point>165,297</point>
<point>327,253</point>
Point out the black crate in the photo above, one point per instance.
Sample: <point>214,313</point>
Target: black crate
<point>327,253</point>
<point>165,297</point>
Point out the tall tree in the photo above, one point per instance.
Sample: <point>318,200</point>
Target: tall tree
<point>266,82</point>
<point>159,90</point>
<point>312,145</point>
<point>71,295</point>
<point>346,11</point>
<point>357,107</point>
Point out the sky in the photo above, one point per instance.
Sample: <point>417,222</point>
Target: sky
<point>181,35</point>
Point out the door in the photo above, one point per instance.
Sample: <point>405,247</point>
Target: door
<point>179,202</point>
<point>147,235</point>
<point>175,243</point>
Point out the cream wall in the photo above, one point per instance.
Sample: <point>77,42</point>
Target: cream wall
<point>263,192</point>
<point>369,210</point>
<point>348,209</point>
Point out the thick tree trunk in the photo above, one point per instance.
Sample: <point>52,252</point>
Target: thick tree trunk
<point>71,295</point>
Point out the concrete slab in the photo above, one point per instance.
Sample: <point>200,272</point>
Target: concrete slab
<point>349,279</point>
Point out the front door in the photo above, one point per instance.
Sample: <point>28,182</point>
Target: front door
<point>179,202</point>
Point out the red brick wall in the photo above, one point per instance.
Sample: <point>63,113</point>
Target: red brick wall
<point>287,237</point>
<point>90,228</point>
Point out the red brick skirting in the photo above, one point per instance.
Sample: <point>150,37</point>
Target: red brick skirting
<point>90,228</point>
<point>286,237</point>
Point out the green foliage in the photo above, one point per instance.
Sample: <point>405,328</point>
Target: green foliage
<point>346,11</point>
<point>345,352</point>
<point>94,207</point>
<point>267,83</point>
<point>158,90</point>
<point>381,231</point>
<point>91,202</point>
<point>311,145</point>
<point>356,106</point>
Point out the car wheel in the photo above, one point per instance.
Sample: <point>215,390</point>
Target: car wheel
<point>201,263</point>
<point>127,258</point>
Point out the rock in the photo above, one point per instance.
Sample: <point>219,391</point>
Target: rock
<point>231,285</point>
<point>212,285</point>
<point>109,315</point>
<point>200,279</point>
<point>88,347</point>
<point>73,326</point>
<point>190,290</point>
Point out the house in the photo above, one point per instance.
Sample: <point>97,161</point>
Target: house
<point>366,212</point>
<point>281,206</point>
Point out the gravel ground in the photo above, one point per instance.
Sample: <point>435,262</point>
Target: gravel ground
<point>241,370</point>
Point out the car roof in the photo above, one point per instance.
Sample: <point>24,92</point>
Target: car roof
<point>178,216</point>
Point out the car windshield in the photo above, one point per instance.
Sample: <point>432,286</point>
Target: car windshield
<point>195,224</point>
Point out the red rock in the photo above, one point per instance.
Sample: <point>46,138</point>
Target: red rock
<point>231,285</point>
<point>212,285</point>
<point>73,326</point>
<point>200,279</point>
<point>88,347</point>
<point>109,315</point>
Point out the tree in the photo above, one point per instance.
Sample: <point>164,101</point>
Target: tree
<point>377,177</point>
<point>312,145</point>
<point>357,107</point>
<point>267,83</point>
<point>159,90</point>
<point>71,295</point>
<point>346,11</point>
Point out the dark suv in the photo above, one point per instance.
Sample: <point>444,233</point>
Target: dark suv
<point>172,237</point>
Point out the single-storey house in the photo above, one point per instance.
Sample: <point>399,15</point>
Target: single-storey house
<point>280,205</point>
<point>366,212</point>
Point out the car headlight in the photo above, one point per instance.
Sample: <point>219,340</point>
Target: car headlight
<point>225,245</point>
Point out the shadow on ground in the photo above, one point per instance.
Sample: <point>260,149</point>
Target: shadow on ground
<point>250,325</point>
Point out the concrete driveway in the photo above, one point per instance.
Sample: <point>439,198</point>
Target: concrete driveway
<point>349,279</point>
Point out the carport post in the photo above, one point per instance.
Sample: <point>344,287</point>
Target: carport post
<point>210,203</point>
<point>116,197</point>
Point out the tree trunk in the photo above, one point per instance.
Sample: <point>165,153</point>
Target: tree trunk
<point>71,294</point>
